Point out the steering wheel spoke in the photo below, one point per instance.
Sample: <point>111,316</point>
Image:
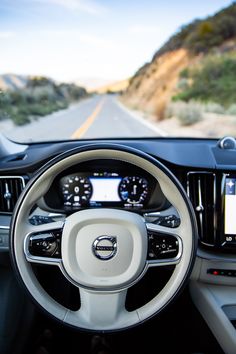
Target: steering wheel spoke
<point>165,246</point>
<point>102,309</point>
<point>42,243</point>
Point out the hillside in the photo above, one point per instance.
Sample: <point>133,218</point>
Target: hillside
<point>156,83</point>
<point>12,81</point>
<point>114,87</point>
<point>152,88</point>
<point>23,100</point>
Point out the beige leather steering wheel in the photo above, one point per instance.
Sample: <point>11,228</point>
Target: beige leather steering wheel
<point>103,283</point>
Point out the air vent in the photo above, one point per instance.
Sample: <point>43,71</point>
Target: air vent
<point>10,190</point>
<point>201,188</point>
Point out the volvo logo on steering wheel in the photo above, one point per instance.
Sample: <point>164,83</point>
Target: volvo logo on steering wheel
<point>105,247</point>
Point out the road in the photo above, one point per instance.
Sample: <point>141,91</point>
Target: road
<point>94,117</point>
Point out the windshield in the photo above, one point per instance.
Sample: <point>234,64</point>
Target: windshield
<point>78,69</point>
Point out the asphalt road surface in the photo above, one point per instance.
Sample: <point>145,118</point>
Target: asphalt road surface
<point>95,117</point>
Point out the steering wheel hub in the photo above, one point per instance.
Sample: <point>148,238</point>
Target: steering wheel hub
<point>104,248</point>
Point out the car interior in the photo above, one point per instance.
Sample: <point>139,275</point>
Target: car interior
<point>117,177</point>
<point>86,277</point>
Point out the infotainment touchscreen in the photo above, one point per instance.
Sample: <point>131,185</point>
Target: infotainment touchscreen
<point>230,210</point>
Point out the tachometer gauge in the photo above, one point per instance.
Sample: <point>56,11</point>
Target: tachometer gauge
<point>76,191</point>
<point>133,190</point>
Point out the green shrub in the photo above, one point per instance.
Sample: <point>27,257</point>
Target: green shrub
<point>3,114</point>
<point>213,80</point>
<point>42,96</point>
<point>187,113</point>
<point>62,104</point>
<point>169,111</point>
<point>20,119</point>
<point>232,110</point>
<point>39,81</point>
<point>190,114</point>
<point>184,74</point>
<point>203,35</point>
<point>183,84</point>
<point>212,107</point>
<point>23,109</point>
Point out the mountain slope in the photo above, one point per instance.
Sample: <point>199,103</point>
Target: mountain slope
<point>154,85</point>
<point>117,86</point>
<point>12,81</point>
<point>152,88</point>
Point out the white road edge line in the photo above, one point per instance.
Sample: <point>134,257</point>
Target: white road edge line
<point>140,119</point>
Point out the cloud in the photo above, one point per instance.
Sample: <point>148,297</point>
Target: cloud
<point>6,34</point>
<point>88,6</point>
<point>144,29</point>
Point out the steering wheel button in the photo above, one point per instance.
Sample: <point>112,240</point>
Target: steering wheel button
<point>45,244</point>
<point>162,247</point>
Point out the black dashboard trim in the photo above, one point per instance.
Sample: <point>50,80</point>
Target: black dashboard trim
<point>183,152</point>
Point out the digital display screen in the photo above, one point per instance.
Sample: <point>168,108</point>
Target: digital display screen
<point>230,209</point>
<point>105,189</point>
<point>98,189</point>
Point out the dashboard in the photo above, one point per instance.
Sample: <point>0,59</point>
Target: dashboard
<point>117,184</point>
<point>205,168</point>
<point>206,171</point>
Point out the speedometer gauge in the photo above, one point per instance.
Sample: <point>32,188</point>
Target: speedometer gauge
<point>133,190</point>
<point>76,191</point>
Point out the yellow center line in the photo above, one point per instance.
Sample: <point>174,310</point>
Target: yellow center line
<point>89,121</point>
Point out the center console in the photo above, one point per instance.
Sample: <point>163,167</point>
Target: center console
<point>213,281</point>
<point>213,195</point>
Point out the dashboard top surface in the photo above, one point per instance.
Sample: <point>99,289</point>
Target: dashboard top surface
<point>194,153</point>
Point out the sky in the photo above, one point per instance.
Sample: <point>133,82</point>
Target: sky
<point>69,40</point>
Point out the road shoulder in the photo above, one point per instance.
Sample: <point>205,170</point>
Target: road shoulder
<point>141,118</point>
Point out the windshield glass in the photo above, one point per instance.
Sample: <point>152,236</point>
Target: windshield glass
<point>78,69</point>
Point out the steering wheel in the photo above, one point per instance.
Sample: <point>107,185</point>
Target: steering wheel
<point>104,251</point>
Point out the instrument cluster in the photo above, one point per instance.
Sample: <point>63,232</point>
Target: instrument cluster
<point>115,185</point>
<point>99,188</point>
